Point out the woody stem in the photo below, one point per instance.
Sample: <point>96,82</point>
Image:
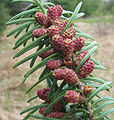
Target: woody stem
<point>87,106</point>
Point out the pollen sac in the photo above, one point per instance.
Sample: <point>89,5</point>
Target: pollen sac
<point>58,74</point>
<point>39,32</point>
<point>59,23</point>
<point>57,42</point>
<point>47,53</point>
<point>86,69</point>
<point>67,47</point>
<point>43,94</point>
<point>77,60</point>
<point>87,89</point>
<point>70,76</point>
<point>78,43</point>
<point>69,33</point>
<point>53,30</point>
<point>72,96</point>
<point>41,19</point>
<point>54,64</point>
<point>52,13</point>
<point>59,10</point>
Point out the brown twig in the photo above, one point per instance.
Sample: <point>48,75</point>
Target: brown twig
<point>87,106</point>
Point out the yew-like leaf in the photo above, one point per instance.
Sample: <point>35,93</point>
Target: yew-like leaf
<point>91,45</point>
<point>33,107</point>
<point>84,35</point>
<point>32,55</point>
<point>23,26</point>
<point>45,118</point>
<point>21,40</point>
<point>102,106</point>
<point>94,79</point>
<point>31,6</point>
<point>46,70</point>
<point>28,1</point>
<point>24,13</point>
<point>73,16</point>
<point>48,3</point>
<point>78,30</point>
<point>99,67</point>
<point>80,15</point>
<point>51,89</point>
<point>29,46</point>
<point>33,98</point>
<point>102,87</point>
<point>40,80</point>
<point>19,32</point>
<point>28,115</point>
<point>105,114</point>
<point>34,58</point>
<point>39,3</point>
<point>95,61</point>
<point>49,82</point>
<point>102,100</point>
<point>20,21</point>
<point>41,64</point>
<point>67,12</point>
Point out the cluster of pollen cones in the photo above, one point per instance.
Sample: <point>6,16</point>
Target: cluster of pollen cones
<point>67,44</point>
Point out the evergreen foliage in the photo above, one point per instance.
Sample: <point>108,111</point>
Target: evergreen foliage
<point>72,97</point>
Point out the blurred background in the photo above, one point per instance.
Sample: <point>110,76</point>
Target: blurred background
<point>98,22</point>
<point>92,8</point>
